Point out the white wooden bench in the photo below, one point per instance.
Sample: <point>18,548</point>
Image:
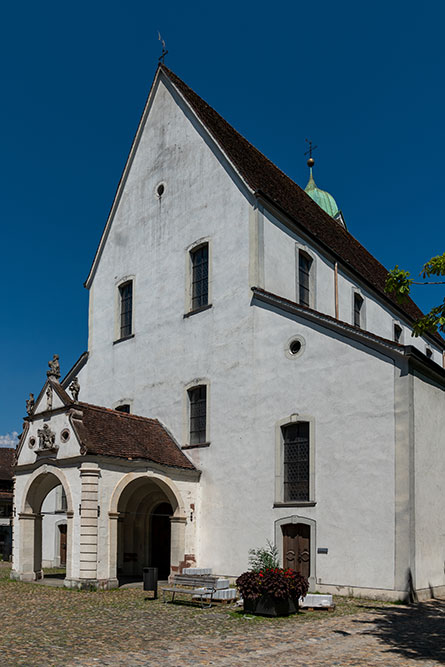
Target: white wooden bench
<point>200,586</point>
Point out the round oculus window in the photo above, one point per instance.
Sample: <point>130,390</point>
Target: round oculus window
<point>32,442</point>
<point>65,435</point>
<point>295,347</point>
<point>160,189</point>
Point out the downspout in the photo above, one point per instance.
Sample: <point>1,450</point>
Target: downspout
<point>336,289</point>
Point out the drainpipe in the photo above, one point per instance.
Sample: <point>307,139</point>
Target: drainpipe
<point>336,289</point>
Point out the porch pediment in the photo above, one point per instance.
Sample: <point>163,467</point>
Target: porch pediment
<point>64,428</point>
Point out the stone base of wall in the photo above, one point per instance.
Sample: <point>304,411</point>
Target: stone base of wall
<point>26,576</point>
<point>91,584</point>
<point>381,593</point>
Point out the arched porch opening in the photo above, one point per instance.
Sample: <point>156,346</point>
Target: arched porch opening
<point>150,527</point>
<point>46,498</point>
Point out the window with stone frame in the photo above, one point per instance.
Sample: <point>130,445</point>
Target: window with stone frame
<point>199,258</point>
<point>358,305</point>
<point>296,469</point>
<point>304,279</point>
<point>126,309</point>
<point>198,414</point>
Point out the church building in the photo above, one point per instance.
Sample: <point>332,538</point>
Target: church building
<point>247,379</point>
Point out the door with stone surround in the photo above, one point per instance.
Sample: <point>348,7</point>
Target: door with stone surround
<point>297,547</point>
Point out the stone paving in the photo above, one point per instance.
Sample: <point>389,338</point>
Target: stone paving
<point>45,626</point>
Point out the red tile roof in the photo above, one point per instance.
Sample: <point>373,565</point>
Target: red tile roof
<point>7,462</point>
<point>266,179</point>
<point>108,432</point>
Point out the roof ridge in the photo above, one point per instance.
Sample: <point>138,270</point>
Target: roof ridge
<point>118,413</point>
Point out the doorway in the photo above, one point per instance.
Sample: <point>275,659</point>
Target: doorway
<point>297,547</point>
<point>161,539</point>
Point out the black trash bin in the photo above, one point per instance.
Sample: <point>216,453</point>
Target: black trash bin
<point>150,575</point>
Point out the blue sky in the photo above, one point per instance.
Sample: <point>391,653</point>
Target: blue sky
<point>363,80</point>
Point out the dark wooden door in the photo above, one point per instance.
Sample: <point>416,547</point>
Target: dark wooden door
<point>62,530</point>
<point>297,547</point>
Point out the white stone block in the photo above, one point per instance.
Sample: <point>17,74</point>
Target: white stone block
<point>316,600</point>
<point>222,583</point>
<point>197,570</point>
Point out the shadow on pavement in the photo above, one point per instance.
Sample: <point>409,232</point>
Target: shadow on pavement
<point>416,631</point>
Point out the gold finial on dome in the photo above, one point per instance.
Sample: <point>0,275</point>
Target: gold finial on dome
<point>311,161</point>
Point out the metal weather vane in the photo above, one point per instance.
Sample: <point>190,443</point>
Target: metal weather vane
<point>311,148</point>
<point>164,50</point>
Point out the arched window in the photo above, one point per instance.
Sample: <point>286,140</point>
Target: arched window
<point>126,308</point>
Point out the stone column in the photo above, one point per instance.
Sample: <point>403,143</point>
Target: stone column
<point>89,511</point>
<point>26,541</point>
<point>69,545</point>
<point>113,542</point>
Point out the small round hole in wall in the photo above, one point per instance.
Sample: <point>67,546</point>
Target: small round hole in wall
<point>65,435</point>
<point>160,190</point>
<point>32,442</point>
<point>295,347</point>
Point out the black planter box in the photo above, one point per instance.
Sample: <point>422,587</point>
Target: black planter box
<point>266,605</point>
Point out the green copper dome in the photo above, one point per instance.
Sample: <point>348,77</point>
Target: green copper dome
<point>322,198</point>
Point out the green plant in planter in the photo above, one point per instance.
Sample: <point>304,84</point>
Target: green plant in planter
<point>263,558</point>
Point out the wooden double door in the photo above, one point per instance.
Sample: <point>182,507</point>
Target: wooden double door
<point>297,547</point>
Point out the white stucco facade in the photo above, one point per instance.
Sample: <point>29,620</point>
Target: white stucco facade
<point>376,429</point>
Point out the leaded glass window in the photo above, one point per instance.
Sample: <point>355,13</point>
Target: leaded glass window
<point>304,269</point>
<point>198,410</point>
<point>126,299</point>
<point>200,276</point>
<point>296,461</point>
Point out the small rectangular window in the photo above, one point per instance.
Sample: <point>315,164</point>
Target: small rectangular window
<point>198,414</point>
<point>358,303</point>
<point>397,333</point>
<point>429,352</point>
<point>126,309</point>
<point>296,461</point>
<point>200,276</point>
<point>304,270</point>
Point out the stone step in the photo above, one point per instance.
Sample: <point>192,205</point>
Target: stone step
<point>316,600</point>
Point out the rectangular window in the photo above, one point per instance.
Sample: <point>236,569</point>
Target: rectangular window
<point>304,271</point>
<point>198,411</point>
<point>126,309</point>
<point>429,352</point>
<point>397,333</point>
<point>200,276</point>
<point>358,303</point>
<point>296,461</point>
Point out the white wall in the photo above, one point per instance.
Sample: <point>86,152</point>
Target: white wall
<point>429,444</point>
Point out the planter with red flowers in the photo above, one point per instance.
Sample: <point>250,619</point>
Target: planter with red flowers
<point>272,591</point>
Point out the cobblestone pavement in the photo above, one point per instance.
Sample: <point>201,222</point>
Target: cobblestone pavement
<point>44,626</point>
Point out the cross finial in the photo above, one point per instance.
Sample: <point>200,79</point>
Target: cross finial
<point>164,50</point>
<point>311,161</point>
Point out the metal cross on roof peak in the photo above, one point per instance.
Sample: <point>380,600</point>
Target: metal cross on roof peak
<point>164,50</point>
<point>311,148</point>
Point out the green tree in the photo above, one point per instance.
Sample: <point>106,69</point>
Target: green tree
<point>398,282</point>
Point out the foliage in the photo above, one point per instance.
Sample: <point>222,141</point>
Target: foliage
<point>277,582</point>
<point>398,282</point>
<point>263,558</point>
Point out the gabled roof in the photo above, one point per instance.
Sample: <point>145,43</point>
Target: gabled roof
<point>266,180</point>
<point>7,462</point>
<point>107,432</point>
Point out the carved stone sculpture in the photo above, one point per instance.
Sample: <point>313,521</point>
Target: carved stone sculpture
<point>30,404</point>
<point>54,367</point>
<point>47,438</point>
<point>74,389</point>
<point>49,398</point>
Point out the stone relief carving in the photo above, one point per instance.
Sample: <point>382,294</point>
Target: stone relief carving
<point>54,367</point>
<point>47,439</point>
<point>30,404</point>
<point>49,398</point>
<point>75,389</point>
